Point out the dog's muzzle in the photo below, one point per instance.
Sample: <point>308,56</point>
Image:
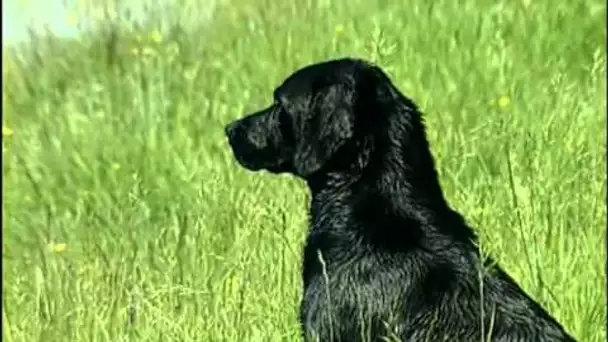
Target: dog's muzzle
<point>241,147</point>
<point>256,143</point>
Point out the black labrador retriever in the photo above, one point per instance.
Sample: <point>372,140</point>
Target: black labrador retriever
<point>386,258</point>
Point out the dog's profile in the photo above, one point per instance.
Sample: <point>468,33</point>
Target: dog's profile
<point>386,258</point>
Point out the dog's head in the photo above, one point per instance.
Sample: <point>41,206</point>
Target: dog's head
<point>320,117</point>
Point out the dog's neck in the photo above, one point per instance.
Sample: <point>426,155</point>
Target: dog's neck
<point>400,184</point>
<point>408,191</point>
<point>400,168</point>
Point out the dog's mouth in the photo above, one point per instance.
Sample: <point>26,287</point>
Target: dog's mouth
<point>248,165</point>
<point>274,167</point>
<point>246,159</point>
<point>253,158</point>
<point>243,157</point>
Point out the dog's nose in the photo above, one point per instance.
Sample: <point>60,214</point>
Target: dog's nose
<point>230,129</point>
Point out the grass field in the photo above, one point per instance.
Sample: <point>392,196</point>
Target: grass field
<point>127,219</point>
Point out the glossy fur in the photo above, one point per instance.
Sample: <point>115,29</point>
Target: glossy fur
<point>386,258</point>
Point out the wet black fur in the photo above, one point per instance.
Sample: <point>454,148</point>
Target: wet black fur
<point>385,256</point>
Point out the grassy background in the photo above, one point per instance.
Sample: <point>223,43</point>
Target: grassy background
<point>127,219</point>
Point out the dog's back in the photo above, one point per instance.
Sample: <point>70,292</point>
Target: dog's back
<point>372,273</point>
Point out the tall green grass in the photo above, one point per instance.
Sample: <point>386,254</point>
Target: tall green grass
<point>125,217</point>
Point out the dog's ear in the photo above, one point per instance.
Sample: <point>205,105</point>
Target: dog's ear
<point>374,91</point>
<point>329,125</point>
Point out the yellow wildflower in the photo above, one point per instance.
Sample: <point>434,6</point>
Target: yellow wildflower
<point>339,29</point>
<point>504,101</point>
<point>6,132</point>
<point>156,36</point>
<point>57,247</point>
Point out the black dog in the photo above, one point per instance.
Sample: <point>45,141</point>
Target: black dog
<point>386,258</point>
